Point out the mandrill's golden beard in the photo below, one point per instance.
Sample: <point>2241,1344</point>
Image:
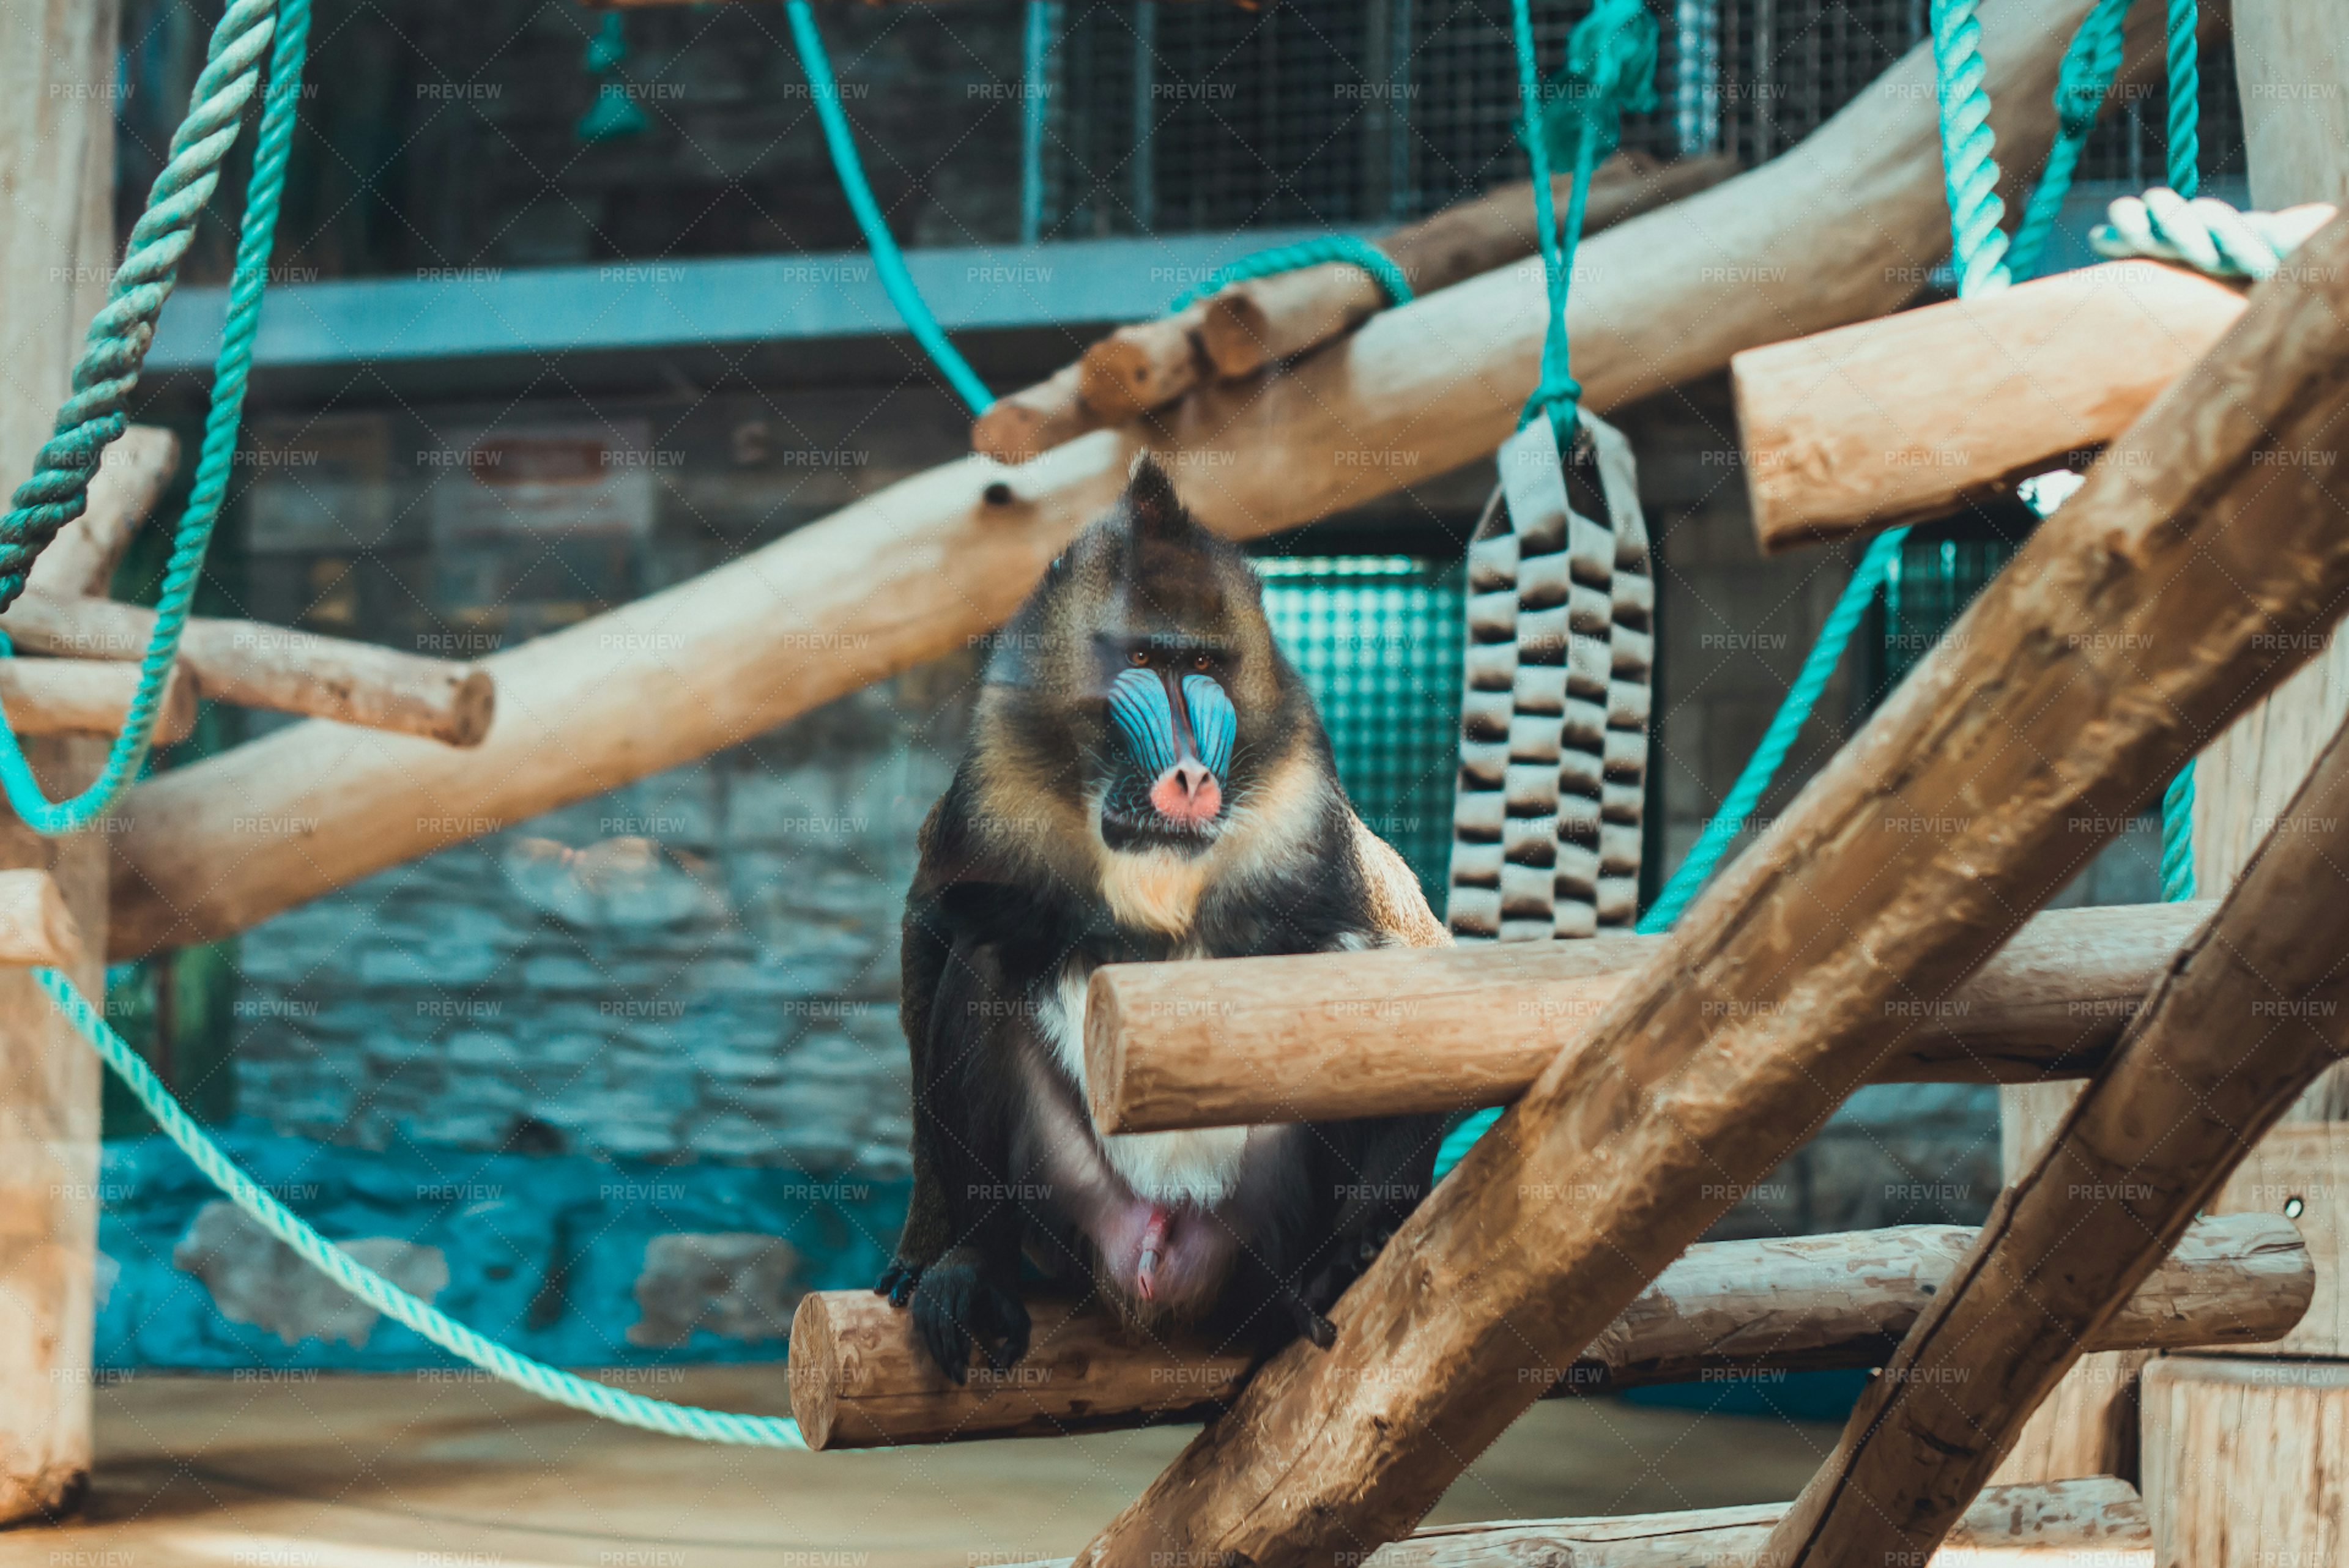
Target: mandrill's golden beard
<point>1156,885</point>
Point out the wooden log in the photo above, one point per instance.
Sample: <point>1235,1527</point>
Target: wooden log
<point>2292,71</point>
<point>130,479</point>
<point>860,1379</point>
<point>1264,321</point>
<point>2246,1018</point>
<point>278,667</point>
<point>2301,1170</point>
<point>1899,420</point>
<point>1811,241</point>
<point>2245,1462</point>
<point>57,255</point>
<point>2135,619</point>
<point>1325,1037</point>
<point>89,696</point>
<point>36,926</point>
<point>1144,364</point>
<point>1250,324</point>
<point>1022,423</point>
<point>2095,1522</point>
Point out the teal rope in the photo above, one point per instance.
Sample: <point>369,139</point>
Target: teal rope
<point>1557,391</point>
<point>2185,177</point>
<point>117,340</point>
<point>888,261</point>
<point>1310,253</point>
<point>93,416</point>
<point>1035,56</point>
<point>1969,164</point>
<point>546,1382</point>
<point>1876,568</point>
<point>2090,64</point>
<point>2185,99</point>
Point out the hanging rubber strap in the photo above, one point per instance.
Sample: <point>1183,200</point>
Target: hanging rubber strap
<point>1310,253</point>
<point>887,260</point>
<point>119,335</point>
<point>439,1327</point>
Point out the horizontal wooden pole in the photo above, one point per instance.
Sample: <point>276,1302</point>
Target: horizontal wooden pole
<point>89,696</point>
<point>1325,1037</point>
<point>1898,420</point>
<point>2096,1521</point>
<point>36,926</point>
<point>860,1378</point>
<point>278,667</point>
<point>1811,241</point>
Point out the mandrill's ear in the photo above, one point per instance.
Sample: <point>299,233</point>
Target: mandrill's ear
<point>1151,500</point>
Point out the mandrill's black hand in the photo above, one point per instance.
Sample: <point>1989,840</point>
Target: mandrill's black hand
<point>960,1302</point>
<point>897,1282</point>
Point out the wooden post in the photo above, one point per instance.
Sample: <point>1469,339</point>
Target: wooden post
<point>2246,1018</point>
<point>860,1378</point>
<point>1240,1042</point>
<point>2291,67</point>
<point>57,252</point>
<point>90,697</point>
<point>1829,235</point>
<point>2136,618</point>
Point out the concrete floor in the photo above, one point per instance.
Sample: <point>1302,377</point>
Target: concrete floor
<point>449,1470</point>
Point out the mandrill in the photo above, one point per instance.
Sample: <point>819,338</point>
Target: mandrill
<point>1147,780</point>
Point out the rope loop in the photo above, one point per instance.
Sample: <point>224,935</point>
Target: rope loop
<point>1348,248</point>
<point>2205,234</point>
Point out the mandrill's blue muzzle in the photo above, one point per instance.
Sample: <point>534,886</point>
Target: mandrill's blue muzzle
<point>1185,753</point>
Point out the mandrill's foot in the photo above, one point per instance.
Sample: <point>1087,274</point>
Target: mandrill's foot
<point>960,1303</point>
<point>897,1282</point>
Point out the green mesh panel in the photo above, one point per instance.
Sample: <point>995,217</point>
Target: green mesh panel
<point>1378,640</point>
<point>1935,581</point>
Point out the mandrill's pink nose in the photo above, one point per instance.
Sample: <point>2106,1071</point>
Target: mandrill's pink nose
<point>1188,793</point>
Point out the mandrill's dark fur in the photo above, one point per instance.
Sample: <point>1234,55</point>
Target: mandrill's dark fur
<point>1046,859</point>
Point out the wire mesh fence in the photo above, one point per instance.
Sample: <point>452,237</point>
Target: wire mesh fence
<point>1378,641</point>
<point>1186,118</point>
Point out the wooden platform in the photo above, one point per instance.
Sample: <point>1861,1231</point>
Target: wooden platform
<point>447,1470</point>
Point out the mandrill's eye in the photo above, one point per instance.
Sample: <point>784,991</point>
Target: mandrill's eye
<point>1202,662</point>
<point>1138,657</point>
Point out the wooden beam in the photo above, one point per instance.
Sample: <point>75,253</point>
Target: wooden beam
<point>860,1378</point>
<point>1326,1036</point>
<point>2291,72</point>
<point>1910,418</point>
<point>278,667</point>
<point>1264,321</point>
<point>89,696</point>
<point>36,926</point>
<point>1248,325</point>
<point>2256,1006</point>
<point>130,479</point>
<point>1831,234</point>
<point>2161,601</point>
<point>57,254</point>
